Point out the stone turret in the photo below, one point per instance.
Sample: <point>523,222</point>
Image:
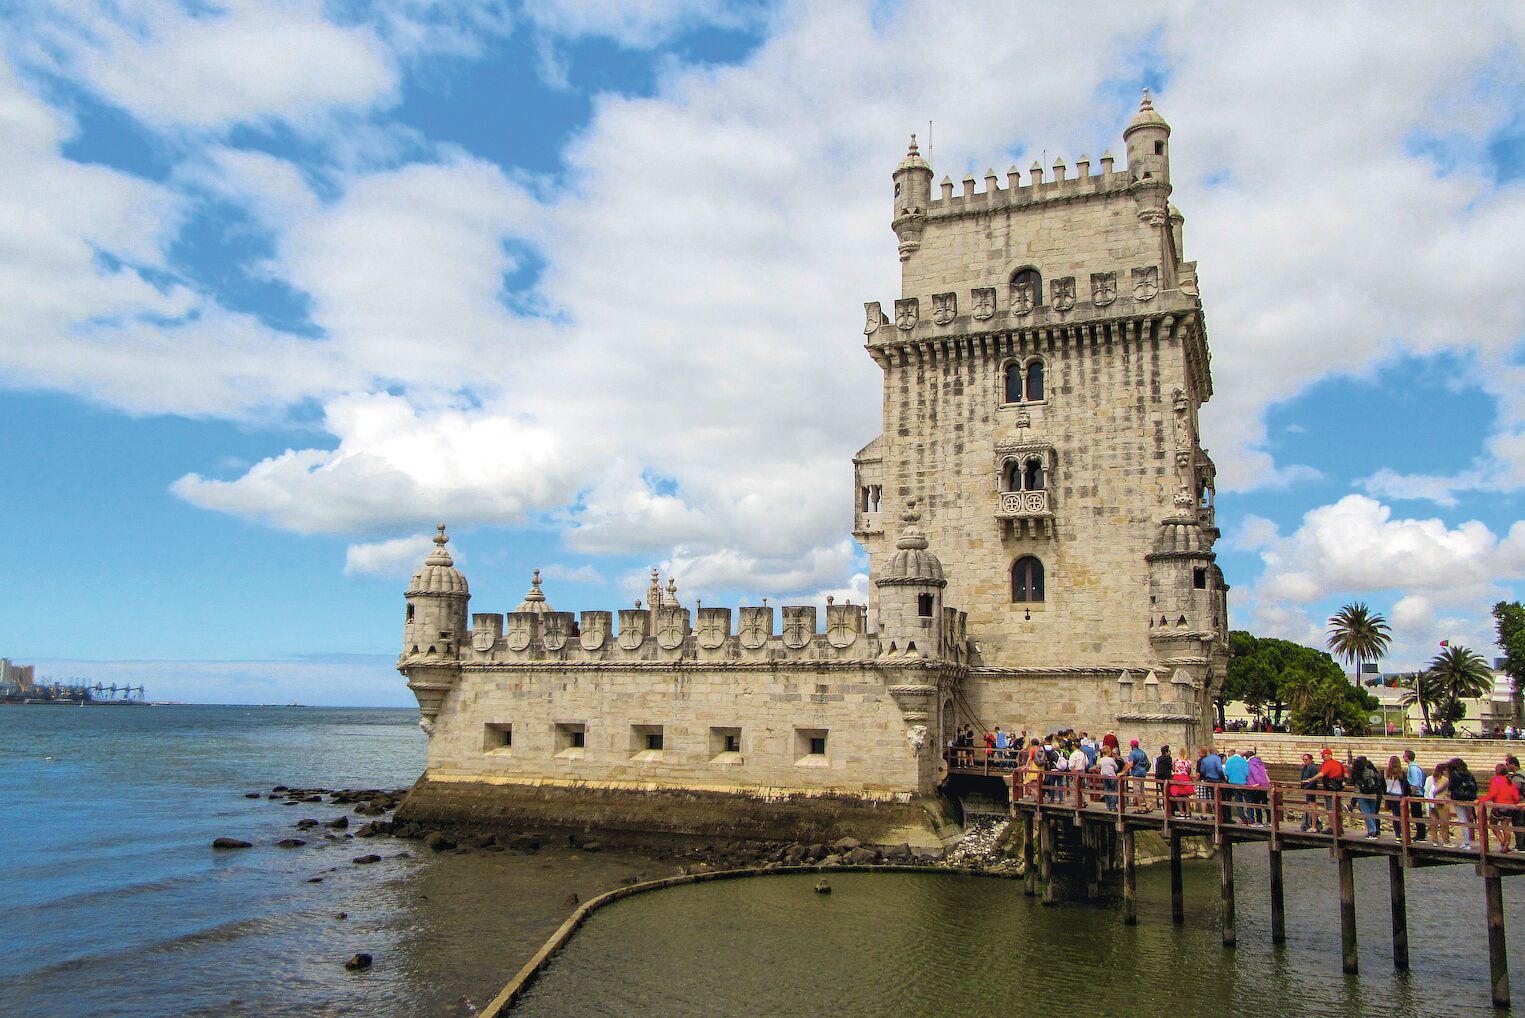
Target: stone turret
<point>534,599</point>
<point>1148,140</point>
<point>1182,585</point>
<point>911,595</point>
<point>434,629</point>
<point>913,193</point>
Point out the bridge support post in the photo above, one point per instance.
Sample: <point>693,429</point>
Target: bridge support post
<point>1046,857</point>
<point>1177,892</point>
<point>1278,900</point>
<point>1029,856</point>
<point>1092,840</point>
<point>1400,913</point>
<point>1498,953</point>
<point>1130,881</point>
<point>1226,890</point>
<point>1349,959</point>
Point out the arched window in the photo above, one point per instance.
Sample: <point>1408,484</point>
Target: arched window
<point>1011,479</point>
<point>1013,383</point>
<point>1027,580</point>
<point>1032,477</point>
<point>1035,381</point>
<point>1034,281</point>
<point>924,605</point>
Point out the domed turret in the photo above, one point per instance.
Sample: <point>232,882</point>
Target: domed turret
<point>437,599</point>
<point>438,574</point>
<point>911,595</point>
<point>534,599</point>
<point>912,561</point>
<point>1148,140</point>
<point>913,193</point>
<point>1181,532</point>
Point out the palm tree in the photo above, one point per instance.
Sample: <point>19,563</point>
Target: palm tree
<point>1461,674</point>
<point>1423,688</point>
<point>1357,634</point>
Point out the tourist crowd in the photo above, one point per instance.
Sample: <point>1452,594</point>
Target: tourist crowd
<point>1435,805</point>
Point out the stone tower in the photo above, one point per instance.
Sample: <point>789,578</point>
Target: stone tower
<point>1043,369</point>
<point>911,596</point>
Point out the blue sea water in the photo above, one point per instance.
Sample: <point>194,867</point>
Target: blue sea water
<point>114,903</point>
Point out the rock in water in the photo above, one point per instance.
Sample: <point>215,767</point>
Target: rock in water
<point>570,900</point>
<point>303,824</point>
<point>822,887</point>
<point>359,961</point>
<point>365,860</point>
<point>340,824</point>
<point>230,843</point>
<point>252,795</point>
<point>290,843</point>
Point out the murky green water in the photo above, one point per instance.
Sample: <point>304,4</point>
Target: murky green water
<point>888,944</point>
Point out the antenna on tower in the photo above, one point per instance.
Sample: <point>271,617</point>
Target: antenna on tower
<point>929,144</point>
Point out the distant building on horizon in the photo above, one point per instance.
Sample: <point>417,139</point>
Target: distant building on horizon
<point>1038,516</point>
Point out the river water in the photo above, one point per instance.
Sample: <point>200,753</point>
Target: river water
<point>114,904</point>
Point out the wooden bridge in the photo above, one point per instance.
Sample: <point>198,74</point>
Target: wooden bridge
<point>1291,818</point>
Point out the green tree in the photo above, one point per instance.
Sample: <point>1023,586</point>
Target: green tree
<point>1357,634</point>
<point>1424,689</point>
<point>1461,674</point>
<point>1277,676</point>
<point>1510,619</point>
<point>1321,701</point>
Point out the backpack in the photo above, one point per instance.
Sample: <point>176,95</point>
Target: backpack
<point>1164,766</point>
<point>1463,786</point>
<point>1370,781</point>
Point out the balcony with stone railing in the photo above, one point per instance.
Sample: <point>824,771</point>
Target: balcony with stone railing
<point>1025,513</point>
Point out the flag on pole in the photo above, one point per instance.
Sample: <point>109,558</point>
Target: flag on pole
<point>1445,643</point>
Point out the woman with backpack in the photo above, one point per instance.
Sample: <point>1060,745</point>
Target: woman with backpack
<point>1504,799</point>
<point>1164,766</point>
<point>1369,786</point>
<point>1463,790</point>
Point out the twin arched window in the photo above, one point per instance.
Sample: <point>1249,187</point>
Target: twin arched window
<point>1027,580</point>
<point>1028,476</point>
<point>1024,382</point>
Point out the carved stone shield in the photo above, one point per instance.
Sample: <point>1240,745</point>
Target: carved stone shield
<point>756,627</point>
<point>907,312</point>
<point>1103,288</point>
<point>842,624</point>
<point>594,630</point>
<point>1063,291</point>
<point>799,625</point>
<point>944,307</point>
<point>633,623</point>
<point>672,627</point>
<point>482,639</point>
<point>983,303</point>
<point>1146,283</point>
<point>1021,298</point>
<point>520,628</point>
<point>714,627</point>
<point>875,317</point>
<point>556,630</point>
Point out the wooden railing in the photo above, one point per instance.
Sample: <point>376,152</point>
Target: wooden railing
<point>1280,809</point>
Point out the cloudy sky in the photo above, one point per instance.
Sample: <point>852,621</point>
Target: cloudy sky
<point>282,283</point>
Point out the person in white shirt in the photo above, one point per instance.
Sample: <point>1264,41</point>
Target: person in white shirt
<point>1107,768</point>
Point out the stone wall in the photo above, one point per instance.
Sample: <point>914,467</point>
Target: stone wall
<point>518,721</point>
<point>635,815</point>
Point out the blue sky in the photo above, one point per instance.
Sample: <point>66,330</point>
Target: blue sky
<point>287,282</point>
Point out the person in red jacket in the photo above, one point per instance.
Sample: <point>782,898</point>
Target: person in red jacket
<point>1503,799</point>
<point>1331,778</point>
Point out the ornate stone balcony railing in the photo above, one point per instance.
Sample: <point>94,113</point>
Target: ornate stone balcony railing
<point>1020,505</point>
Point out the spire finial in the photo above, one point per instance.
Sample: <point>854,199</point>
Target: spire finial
<point>1146,104</point>
<point>535,580</point>
<point>439,556</point>
<point>911,537</point>
<point>440,538</point>
<point>913,150</point>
